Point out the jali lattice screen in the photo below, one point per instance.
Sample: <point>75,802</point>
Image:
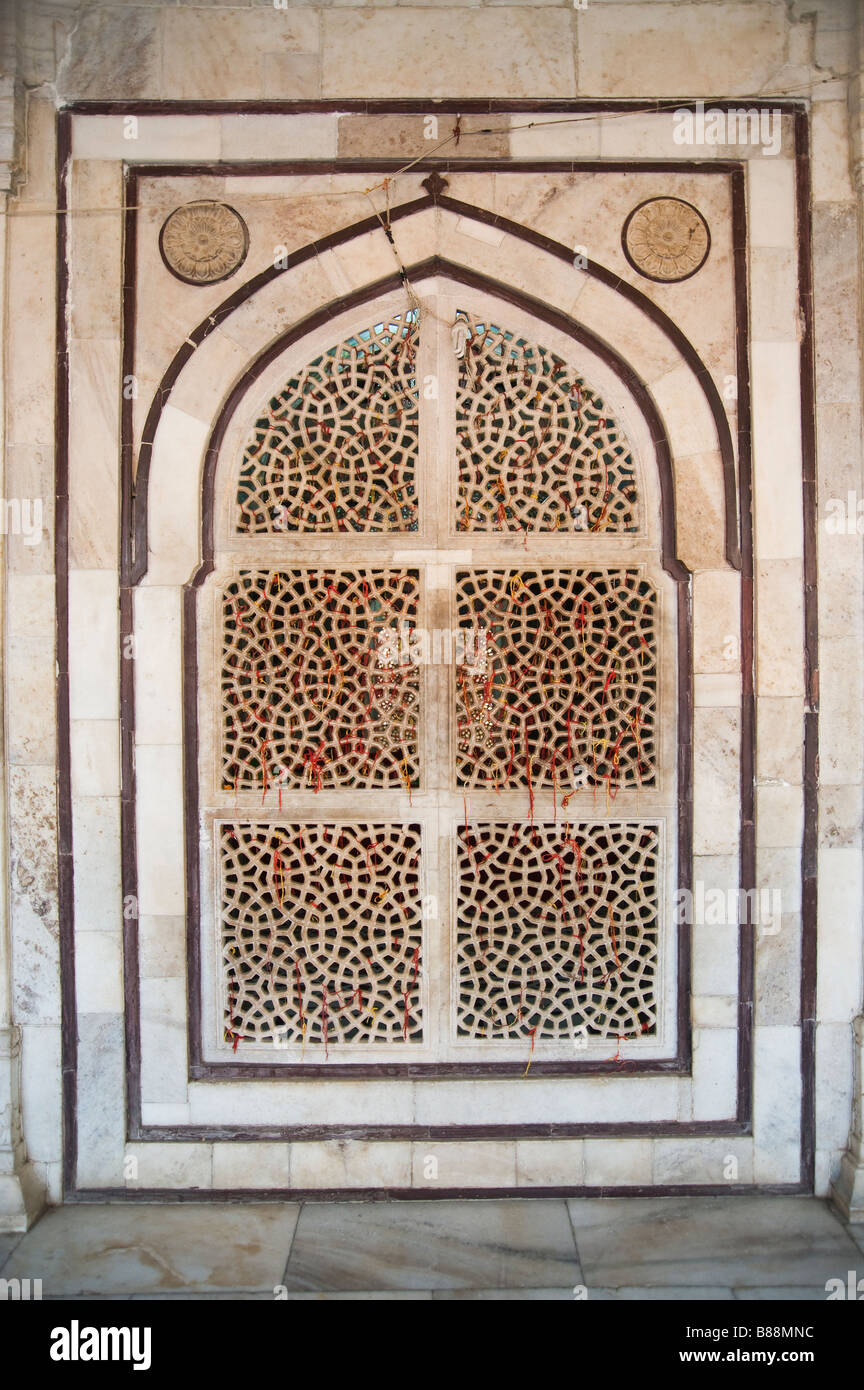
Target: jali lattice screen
<point>568,696</point>
<point>305,700</point>
<point>550,930</point>
<point>557,930</point>
<point>337,448</point>
<point>321,933</point>
<point>537,449</point>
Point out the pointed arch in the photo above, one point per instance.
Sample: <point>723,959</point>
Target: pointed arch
<point>473,279</point>
<point>135,549</point>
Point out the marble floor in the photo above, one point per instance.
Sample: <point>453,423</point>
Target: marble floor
<point>608,1249</point>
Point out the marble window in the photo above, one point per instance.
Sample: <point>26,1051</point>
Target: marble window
<point>435,797</point>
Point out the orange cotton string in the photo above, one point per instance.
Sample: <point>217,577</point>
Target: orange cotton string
<point>609,679</point>
<point>232,999</point>
<point>405,774</point>
<point>324,1018</point>
<point>299,988</point>
<point>278,876</point>
<point>634,725</point>
<point>312,763</point>
<point>406,992</point>
<point>580,621</point>
<point>612,935</point>
<point>358,993</point>
<point>530,783</point>
<point>533,1034</point>
<point>551,857</point>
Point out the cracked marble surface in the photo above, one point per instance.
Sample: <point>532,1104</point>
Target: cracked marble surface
<point>604,1250</point>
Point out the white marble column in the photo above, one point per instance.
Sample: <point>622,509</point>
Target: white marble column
<point>21,1192</point>
<point>847,1190</point>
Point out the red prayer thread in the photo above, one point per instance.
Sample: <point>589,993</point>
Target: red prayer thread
<point>324,1020</point>
<point>408,991</point>
<point>265,743</point>
<point>530,784</point>
<point>278,876</point>
<point>299,988</point>
<point>612,935</point>
<point>550,857</point>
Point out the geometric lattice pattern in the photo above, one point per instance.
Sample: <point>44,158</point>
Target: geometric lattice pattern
<point>555,686</point>
<point>305,701</point>
<point>337,448</point>
<point>321,933</point>
<point>568,696</point>
<point>557,930</point>
<point>537,448</point>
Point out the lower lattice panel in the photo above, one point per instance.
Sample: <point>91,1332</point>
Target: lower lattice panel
<point>321,933</point>
<point>556,933</point>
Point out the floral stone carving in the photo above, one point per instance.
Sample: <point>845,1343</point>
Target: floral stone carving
<point>204,242</point>
<point>666,239</point>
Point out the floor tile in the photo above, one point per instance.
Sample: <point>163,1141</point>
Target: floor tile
<point>204,1296</point>
<point>434,1245</point>
<point>156,1248</point>
<point>505,1295</point>
<point>781,1294</point>
<point>361,1296</point>
<point>7,1245</point>
<point>92,1297</point>
<point>716,1241</point>
<point>667,1293</point>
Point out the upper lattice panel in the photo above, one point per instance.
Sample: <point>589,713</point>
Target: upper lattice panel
<point>337,448</point>
<point>537,448</point>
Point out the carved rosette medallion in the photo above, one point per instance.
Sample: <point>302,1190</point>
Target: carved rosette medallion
<point>666,239</point>
<point>203,242</point>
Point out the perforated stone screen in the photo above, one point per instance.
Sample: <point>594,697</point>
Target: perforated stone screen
<point>395,821</point>
<point>537,448</point>
<point>306,701</point>
<point>336,450</point>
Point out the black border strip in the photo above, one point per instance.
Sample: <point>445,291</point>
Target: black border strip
<point>394,106</point>
<point>65,863</point>
<point>244,292</point>
<point>747,845</point>
<point>65,886</point>
<point>251,1196</point>
<point>679,1064</point>
<point>228,1071</point>
<point>128,849</point>
<point>810,842</point>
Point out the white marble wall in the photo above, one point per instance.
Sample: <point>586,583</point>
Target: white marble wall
<point>29,662</point>
<point>612,49</point>
<point>710,1093</point>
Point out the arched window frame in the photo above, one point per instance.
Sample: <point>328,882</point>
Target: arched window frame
<point>437,439</point>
